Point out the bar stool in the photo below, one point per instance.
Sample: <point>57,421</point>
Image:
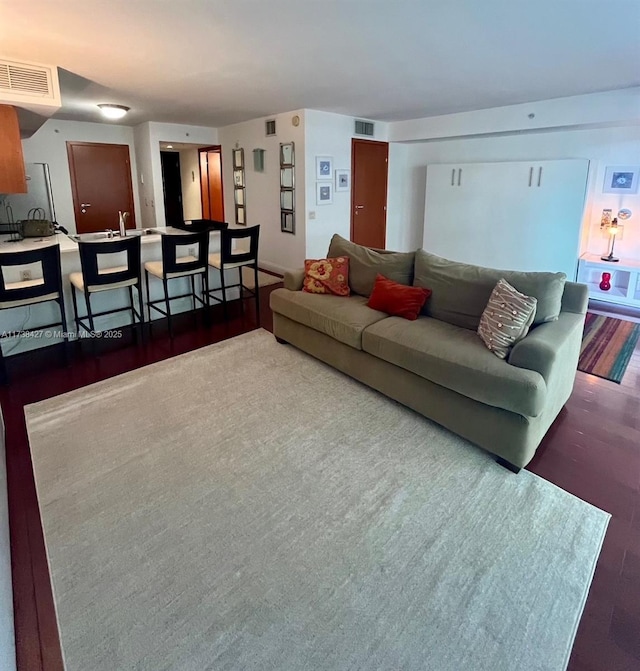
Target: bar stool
<point>92,279</point>
<point>32,292</point>
<point>173,267</point>
<point>234,258</point>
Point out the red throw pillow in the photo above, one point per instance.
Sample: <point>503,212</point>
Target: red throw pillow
<point>327,276</point>
<point>397,299</point>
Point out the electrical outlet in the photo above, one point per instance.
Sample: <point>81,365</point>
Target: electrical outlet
<point>312,214</point>
<point>25,275</point>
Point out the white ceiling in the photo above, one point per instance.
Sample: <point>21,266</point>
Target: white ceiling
<point>213,63</point>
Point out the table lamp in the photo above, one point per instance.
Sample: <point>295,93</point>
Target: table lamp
<point>613,230</point>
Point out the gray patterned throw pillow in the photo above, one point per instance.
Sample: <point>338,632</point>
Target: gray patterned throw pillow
<point>506,319</point>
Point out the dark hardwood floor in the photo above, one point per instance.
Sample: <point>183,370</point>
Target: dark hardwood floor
<point>592,451</point>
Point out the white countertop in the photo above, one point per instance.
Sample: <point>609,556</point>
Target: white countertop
<point>26,244</point>
<point>67,244</point>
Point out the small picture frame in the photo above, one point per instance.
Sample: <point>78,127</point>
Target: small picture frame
<point>343,180</point>
<point>324,193</point>
<point>324,167</point>
<point>286,154</point>
<point>621,179</point>
<point>287,222</point>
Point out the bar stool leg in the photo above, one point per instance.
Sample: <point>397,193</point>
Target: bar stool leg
<point>168,308</point>
<point>133,314</point>
<point>75,310</point>
<point>4,378</point>
<point>256,290</point>
<point>92,326</point>
<point>65,331</point>
<point>240,289</point>
<point>87,297</point>
<point>142,320</point>
<point>205,296</point>
<point>146,277</point>
<point>224,293</point>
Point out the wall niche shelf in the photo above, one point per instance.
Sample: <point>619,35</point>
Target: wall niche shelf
<point>625,279</point>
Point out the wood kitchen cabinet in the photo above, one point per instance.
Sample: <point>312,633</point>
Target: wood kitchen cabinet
<point>12,174</point>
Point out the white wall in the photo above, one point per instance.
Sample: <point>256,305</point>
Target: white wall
<point>190,180</point>
<point>278,251</point>
<point>143,178</point>
<point>602,146</point>
<point>48,145</point>
<point>328,134</point>
<point>611,108</point>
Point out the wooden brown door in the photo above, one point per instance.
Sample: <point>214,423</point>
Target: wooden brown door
<point>101,185</point>
<point>369,163</point>
<point>211,183</point>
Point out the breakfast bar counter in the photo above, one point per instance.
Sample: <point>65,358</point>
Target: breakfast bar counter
<point>28,317</point>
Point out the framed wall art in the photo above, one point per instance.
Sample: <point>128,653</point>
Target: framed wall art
<point>324,193</point>
<point>287,188</point>
<point>621,179</point>
<point>324,167</point>
<point>343,180</point>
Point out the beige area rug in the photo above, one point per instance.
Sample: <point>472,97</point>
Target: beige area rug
<point>264,279</point>
<point>245,507</point>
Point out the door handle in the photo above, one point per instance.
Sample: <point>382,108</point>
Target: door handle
<point>539,176</point>
<point>453,172</point>
<point>459,175</point>
<point>530,175</point>
<point>359,207</point>
<point>85,205</point>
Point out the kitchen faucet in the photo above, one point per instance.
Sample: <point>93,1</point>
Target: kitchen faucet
<point>122,221</point>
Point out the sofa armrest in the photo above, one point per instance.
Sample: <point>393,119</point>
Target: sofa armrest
<point>293,279</point>
<point>575,298</point>
<point>552,347</point>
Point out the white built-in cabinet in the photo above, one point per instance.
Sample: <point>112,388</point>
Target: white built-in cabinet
<point>517,215</point>
<point>624,283</point>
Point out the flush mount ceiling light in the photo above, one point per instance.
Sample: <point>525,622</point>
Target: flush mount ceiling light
<point>113,111</point>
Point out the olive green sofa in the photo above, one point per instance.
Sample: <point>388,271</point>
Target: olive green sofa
<point>437,365</point>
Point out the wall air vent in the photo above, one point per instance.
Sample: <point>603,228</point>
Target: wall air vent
<point>22,79</point>
<point>270,127</point>
<point>364,128</point>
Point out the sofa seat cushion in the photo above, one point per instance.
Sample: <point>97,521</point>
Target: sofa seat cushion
<point>342,318</point>
<point>457,359</point>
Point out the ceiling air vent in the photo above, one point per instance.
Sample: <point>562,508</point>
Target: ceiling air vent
<point>26,80</point>
<point>364,128</point>
<point>270,127</point>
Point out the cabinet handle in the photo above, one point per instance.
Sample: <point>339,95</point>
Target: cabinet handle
<point>453,172</point>
<point>459,175</point>
<point>539,176</point>
<point>530,175</point>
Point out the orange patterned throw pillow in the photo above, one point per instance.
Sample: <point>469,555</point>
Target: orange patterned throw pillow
<point>327,276</point>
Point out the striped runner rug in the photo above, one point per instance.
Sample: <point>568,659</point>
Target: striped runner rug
<point>607,346</point>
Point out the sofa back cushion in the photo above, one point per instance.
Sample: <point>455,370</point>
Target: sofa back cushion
<point>365,264</point>
<point>461,291</point>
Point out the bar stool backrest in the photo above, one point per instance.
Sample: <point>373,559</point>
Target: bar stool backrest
<point>228,255</point>
<point>90,251</point>
<point>170,244</point>
<point>48,257</point>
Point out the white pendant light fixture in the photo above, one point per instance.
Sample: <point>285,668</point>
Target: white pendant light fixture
<point>113,111</point>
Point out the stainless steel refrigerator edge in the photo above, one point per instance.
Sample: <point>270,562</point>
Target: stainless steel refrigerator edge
<point>15,207</point>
